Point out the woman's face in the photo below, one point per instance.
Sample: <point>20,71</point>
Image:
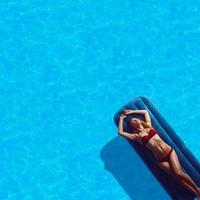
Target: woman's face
<point>135,122</point>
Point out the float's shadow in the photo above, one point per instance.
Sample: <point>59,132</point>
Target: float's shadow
<point>130,168</point>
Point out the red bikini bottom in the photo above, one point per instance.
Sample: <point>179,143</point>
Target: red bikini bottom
<point>166,158</point>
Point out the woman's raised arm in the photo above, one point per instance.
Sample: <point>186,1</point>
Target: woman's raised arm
<point>122,132</point>
<point>126,112</point>
<point>144,112</point>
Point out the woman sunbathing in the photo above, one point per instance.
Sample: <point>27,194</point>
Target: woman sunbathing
<point>166,157</point>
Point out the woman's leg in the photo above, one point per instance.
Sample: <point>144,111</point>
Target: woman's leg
<point>167,168</point>
<point>186,177</point>
<point>179,174</point>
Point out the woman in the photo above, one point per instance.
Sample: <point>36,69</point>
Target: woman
<point>166,157</point>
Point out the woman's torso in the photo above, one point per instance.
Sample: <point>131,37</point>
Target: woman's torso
<point>155,143</point>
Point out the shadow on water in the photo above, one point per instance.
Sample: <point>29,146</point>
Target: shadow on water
<point>126,162</point>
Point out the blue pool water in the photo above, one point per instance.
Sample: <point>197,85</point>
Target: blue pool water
<point>66,67</point>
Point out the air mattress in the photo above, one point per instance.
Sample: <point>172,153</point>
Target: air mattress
<point>189,163</point>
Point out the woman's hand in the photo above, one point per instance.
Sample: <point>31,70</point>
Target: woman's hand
<point>126,112</point>
<point>122,116</point>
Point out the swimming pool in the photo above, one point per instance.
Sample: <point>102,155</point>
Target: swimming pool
<point>66,68</point>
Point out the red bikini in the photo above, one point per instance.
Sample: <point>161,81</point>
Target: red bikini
<point>166,158</point>
<point>146,138</point>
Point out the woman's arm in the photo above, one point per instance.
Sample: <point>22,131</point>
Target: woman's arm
<point>135,112</point>
<point>144,112</point>
<point>147,118</point>
<point>123,133</point>
<point>120,125</point>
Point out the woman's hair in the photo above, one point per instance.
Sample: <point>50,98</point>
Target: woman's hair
<point>144,124</point>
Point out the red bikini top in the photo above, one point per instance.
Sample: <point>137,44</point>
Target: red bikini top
<point>146,138</point>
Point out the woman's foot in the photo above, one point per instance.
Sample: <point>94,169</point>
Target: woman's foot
<point>198,194</point>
